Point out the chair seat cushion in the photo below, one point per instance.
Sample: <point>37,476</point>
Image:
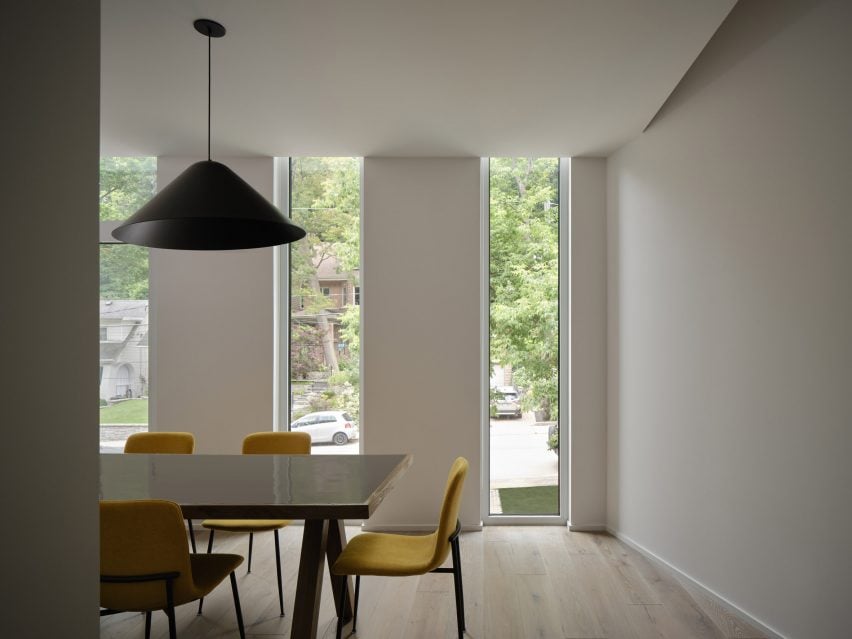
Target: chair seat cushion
<point>208,571</point>
<point>388,555</point>
<point>245,525</point>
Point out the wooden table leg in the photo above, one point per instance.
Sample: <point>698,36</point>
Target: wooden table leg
<point>309,586</point>
<point>336,544</point>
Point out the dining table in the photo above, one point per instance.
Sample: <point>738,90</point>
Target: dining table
<point>322,490</point>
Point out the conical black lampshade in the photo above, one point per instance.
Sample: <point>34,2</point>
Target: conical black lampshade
<point>208,207</point>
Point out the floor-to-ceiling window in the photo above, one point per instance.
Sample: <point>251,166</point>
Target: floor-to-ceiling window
<point>523,337</point>
<point>126,183</point>
<point>324,302</point>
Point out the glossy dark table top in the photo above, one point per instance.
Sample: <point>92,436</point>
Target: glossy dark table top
<point>256,486</point>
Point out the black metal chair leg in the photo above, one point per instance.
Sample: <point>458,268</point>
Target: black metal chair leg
<point>172,627</point>
<point>237,606</point>
<point>355,611</point>
<point>148,625</point>
<point>278,565</point>
<point>209,550</point>
<point>461,584</point>
<point>251,543</point>
<point>191,534</point>
<point>170,608</point>
<point>458,587</point>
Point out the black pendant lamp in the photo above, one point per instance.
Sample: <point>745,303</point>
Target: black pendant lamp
<point>208,207</point>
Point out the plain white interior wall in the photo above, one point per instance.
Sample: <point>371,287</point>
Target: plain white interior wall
<point>212,328</point>
<point>730,306</point>
<point>421,384</point>
<point>49,319</point>
<point>588,343</point>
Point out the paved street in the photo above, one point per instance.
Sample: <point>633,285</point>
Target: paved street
<point>113,438</point>
<point>519,455</point>
<point>332,449</point>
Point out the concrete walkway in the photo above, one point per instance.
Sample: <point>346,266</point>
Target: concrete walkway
<point>519,457</point>
<point>519,454</point>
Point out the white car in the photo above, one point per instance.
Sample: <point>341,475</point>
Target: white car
<point>333,426</point>
<point>506,401</point>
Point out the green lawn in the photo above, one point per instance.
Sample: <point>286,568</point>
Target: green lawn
<point>533,500</point>
<point>131,411</point>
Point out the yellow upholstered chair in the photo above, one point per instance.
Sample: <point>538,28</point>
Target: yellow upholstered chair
<point>164,443</point>
<point>160,443</point>
<point>145,564</point>
<point>391,555</point>
<point>266,443</point>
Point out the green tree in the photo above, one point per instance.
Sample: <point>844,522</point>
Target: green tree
<point>524,275</point>
<point>124,272</point>
<point>305,342</point>
<point>347,381</point>
<point>125,185</point>
<point>325,199</point>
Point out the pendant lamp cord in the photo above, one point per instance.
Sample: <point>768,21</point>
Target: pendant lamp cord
<point>209,89</point>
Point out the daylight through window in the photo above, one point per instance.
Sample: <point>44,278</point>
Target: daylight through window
<point>325,199</point>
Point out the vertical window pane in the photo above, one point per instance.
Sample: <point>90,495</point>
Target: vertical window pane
<point>325,200</point>
<point>524,335</point>
<point>123,344</point>
<point>125,185</point>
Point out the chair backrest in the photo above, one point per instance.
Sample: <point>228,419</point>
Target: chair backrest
<point>169,443</point>
<point>449,510</point>
<point>269,443</point>
<point>143,537</point>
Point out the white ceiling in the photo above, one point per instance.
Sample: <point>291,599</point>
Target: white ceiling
<point>394,77</point>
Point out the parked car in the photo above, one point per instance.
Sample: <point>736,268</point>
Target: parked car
<point>333,426</point>
<point>506,401</point>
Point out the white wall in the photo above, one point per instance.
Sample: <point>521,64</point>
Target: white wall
<point>212,329</point>
<point>730,306</point>
<point>588,343</point>
<point>49,319</point>
<point>420,333</point>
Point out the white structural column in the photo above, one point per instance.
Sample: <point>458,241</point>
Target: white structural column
<point>49,318</point>
<point>588,333</point>
<point>212,331</point>
<point>420,332</point>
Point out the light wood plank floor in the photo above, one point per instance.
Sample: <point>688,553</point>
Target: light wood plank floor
<point>519,582</point>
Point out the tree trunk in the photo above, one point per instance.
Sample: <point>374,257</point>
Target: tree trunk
<point>325,328</point>
<point>522,183</point>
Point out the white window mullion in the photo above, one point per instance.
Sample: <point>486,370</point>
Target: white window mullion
<point>281,306</point>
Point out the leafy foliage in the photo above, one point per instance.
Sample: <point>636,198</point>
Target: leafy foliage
<point>347,379</point>
<point>125,185</point>
<point>305,350</point>
<point>524,275</point>
<point>124,272</point>
<point>325,199</point>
